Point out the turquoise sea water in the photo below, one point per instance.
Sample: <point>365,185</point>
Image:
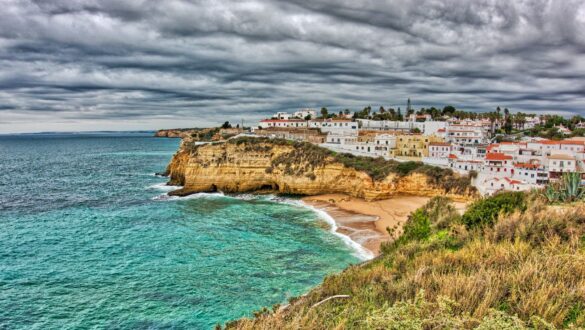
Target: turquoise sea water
<point>89,241</point>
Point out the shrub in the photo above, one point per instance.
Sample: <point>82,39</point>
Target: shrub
<point>441,212</point>
<point>484,212</point>
<point>377,168</point>
<point>418,226</point>
<point>407,167</point>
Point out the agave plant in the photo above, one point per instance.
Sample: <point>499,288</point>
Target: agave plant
<point>568,189</point>
<point>551,193</point>
<point>571,189</point>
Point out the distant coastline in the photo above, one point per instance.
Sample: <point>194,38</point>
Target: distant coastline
<point>146,132</point>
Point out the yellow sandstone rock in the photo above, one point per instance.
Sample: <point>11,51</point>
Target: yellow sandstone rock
<point>248,167</point>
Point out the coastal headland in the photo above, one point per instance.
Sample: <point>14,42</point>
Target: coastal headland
<point>445,256</point>
<point>365,196</point>
<point>299,168</point>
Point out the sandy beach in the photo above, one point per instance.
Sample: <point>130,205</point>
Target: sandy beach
<point>366,222</point>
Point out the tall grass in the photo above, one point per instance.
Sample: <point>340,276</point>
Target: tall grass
<point>525,269</point>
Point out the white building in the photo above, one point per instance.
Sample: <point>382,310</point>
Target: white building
<point>466,132</point>
<point>531,122</point>
<point>534,174</point>
<point>426,128</point>
<point>439,149</point>
<point>342,138</point>
<point>282,123</point>
<point>380,146</point>
<point>281,116</point>
<point>334,125</point>
<point>561,163</point>
<point>494,185</point>
<point>303,113</point>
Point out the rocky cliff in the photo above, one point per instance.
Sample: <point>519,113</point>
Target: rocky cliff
<point>246,165</point>
<point>184,133</point>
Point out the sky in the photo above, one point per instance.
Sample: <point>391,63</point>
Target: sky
<point>76,65</point>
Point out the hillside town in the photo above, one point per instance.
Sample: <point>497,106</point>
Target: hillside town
<point>500,151</point>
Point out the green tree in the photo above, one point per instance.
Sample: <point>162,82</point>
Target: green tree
<point>324,112</point>
<point>226,125</point>
<point>448,110</point>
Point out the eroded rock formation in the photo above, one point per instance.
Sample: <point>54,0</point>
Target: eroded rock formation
<point>267,165</point>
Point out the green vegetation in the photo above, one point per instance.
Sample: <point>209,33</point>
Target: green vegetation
<point>525,269</point>
<point>548,129</point>
<point>566,190</point>
<point>485,212</point>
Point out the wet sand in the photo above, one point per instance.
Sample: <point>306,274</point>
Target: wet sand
<point>366,222</point>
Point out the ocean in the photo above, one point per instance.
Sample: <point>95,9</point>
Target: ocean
<point>89,240</point>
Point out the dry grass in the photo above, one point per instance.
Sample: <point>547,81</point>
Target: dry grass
<point>525,271</point>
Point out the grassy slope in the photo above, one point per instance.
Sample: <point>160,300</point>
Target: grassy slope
<point>510,262</point>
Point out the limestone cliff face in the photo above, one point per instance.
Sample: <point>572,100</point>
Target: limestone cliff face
<point>265,166</point>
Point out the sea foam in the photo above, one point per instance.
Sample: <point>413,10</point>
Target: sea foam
<point>164,187</point>
<point>166,197</point>
<point>359,251</point>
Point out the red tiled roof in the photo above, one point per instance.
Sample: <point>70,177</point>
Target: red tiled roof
<point>572,142</point>
<point>491,146</point>
<point>451,156</point>
<point>442,144</point>
<point>497,156</point>
<point>513,143</point>
<point>548,142</point>
<point>526,165</point>
<point>511,181</point>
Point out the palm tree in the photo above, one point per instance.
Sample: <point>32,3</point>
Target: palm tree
<point>507,121</point>
<point>492,116</point>
<point>521,120</point>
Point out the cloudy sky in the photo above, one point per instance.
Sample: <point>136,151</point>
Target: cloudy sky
<point>147,64</point>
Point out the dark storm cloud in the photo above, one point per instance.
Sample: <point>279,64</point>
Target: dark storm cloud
<point>205,61</point>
